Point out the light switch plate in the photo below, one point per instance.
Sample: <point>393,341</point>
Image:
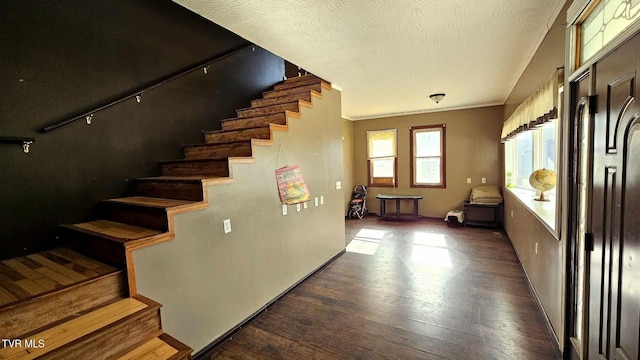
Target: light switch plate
<point>284,210</point>
<point>468,180</point>
<point>484,180</point>
<point>316,201</point>
<point>227,225</point>
<point>304,205</point>
<point>321,200</point>
<point>338,185</point>
<point>298,207</point>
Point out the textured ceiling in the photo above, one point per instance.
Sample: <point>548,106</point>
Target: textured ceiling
<point>388,56</point>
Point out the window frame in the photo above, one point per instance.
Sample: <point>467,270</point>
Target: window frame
<point>441,128</point>
<point>382,181</point>
<point>511,156</point>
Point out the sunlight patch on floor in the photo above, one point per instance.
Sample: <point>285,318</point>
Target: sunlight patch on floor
<point>430,249</point>
<point>366,242</point>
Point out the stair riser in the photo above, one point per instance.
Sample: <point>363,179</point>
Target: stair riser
<point>238,124</point>
<point>212,168</point>
<point>105,250</point>
<point>27,317</point>
<point>240,135</point>
<point>218,150</point>
<point>305,95</point>
<point>276,93</point>
<point>291,84</point>
<point>148,217</point>
<point>191,191</point>
<point>106,342</point>
<point>269,110</point>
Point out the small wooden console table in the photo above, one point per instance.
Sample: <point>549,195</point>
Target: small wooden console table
<point>398,215</point>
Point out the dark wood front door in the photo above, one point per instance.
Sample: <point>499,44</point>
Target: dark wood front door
<point>614,279</point>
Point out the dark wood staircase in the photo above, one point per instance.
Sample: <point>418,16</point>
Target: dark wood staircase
<point>114,321</point>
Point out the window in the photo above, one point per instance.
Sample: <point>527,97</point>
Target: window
<point>525,152</point>
<point>530,150</point>
<point>428,156</point>
<point>382,157</point>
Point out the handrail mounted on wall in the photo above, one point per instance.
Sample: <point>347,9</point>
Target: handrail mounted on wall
<point>137,94</point>
<point>24,141</point>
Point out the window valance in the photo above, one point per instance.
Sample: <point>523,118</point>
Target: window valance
<point>537,109</point>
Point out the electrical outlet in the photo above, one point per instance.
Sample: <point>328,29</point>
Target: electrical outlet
<point>316,201</point>
<point>284,210</point>
<point>338,185</point>
<point>484,180</point>
<point>321,200</point>
<point>304,205</point>
<point>468,180</point>
<point>298,207</point>
<point>227,225</point>
<point>536,248</point>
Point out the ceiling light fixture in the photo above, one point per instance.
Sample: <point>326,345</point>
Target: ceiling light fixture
<point>437,97</point>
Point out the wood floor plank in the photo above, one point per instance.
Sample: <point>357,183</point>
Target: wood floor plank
<point>6,297</point>
<point>31,286</point>
<point>13,288</point>
<point>55,276</point>
<point>23,269</point>
<point>426,292</point>
<point>47,283</point>
<point>57,267</point>
<point>29,263</point>
<point>79,259</point>
<point>81,270</point>
<point>10,273</point>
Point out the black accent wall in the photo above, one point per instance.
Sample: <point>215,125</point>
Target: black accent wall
<point>59,58</point>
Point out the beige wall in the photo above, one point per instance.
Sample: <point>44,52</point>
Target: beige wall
<point>546,268</point>
<point>548,57</point>
<point>347,147</point>
<point>473,151</point>
<point>209,282</point>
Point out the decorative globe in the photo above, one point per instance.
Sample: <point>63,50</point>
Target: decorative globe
<point>543,180</point>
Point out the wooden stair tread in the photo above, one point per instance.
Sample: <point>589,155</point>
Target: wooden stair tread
<point>154,349</point>
<point>179,161</point>
<point>300,78</point>
<point>229,143</point>
<point>33,275</point>
<point>183,178</point>
<point>220,131</point>
<point>151,201</point>
<point>115,229</point>
<point>305,95</point>
<point>67,332</point>
<point>315,86</point>
<point>269,106</point>
<point>256,117</point>
<point>162,347</point>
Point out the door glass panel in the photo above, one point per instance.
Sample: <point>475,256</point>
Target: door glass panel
<point>583,187</point>
<point>607,19</point>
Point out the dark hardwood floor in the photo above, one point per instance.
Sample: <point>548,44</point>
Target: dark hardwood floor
<point>416,290</point>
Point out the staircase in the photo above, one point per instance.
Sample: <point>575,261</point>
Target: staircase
<point>103,316</point>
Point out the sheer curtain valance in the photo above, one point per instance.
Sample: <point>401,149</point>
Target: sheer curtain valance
<point>537,109</point>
